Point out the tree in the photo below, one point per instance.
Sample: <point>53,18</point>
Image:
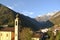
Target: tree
<point>26,34</point>
<point>58,35</point>
<point>51,35</point>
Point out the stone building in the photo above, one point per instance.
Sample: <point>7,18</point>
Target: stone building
<point>10,33</point>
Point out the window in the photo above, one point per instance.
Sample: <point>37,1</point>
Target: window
<point>16,22</point>
<point>6,35</point>
<point>0,34</point>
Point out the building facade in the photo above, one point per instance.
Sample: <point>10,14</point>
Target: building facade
<point>10,33</point>
<point>4,35</point>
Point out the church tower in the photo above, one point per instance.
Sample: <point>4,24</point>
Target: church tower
<point>16,27</point>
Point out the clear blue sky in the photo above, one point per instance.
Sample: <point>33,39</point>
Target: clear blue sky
<point>32,8</point>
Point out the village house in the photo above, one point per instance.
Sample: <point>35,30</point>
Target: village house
<point>44,30</point>
<point>37,35</point>
<point>55,29</point>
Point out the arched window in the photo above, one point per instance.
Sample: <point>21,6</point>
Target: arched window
<point>16,22</point>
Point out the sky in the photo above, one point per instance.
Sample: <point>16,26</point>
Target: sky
<point>33,8</point>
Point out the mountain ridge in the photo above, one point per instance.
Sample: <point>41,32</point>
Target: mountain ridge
<point>7,17</point>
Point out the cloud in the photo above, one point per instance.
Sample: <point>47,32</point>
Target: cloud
<point>31,13</point>
<point>10,7</point>
<point>48,14</point>
<point>51,13</point>
<point>39,15</point>
<point>27,13</point>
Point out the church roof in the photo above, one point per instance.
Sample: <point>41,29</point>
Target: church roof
<point>7,29</point>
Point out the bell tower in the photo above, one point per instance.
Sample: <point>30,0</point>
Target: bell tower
<point>16,27</point>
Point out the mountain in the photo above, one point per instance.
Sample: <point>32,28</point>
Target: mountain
<point>44,21</point>
<point>7,17</point>
<point>46,16</point>
<point>55,18</point>
<point>42,18</point>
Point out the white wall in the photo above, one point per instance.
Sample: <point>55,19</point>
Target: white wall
<point>4,35</point>
<point>35,38</point>
<point>16,29</point>
<point>44,30</point>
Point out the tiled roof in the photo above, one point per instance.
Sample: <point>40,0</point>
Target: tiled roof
<point>7,29</point>
<point>37,35</point>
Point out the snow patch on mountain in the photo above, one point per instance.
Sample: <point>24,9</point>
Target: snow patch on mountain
<point>51,13</point>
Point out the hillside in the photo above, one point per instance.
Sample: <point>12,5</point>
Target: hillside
<point>56,18</point>
<point>7,17</point>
